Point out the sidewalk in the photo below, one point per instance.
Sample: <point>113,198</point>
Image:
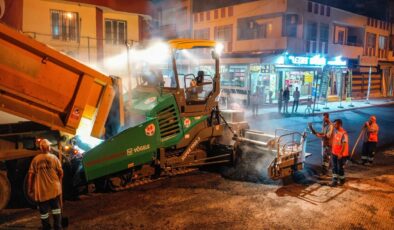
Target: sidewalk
<point>272,109</point>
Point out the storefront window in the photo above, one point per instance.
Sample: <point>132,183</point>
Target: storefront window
<point>301,79</point>
<point>235,76</point>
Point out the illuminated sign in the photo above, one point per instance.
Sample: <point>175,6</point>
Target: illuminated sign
<point>317,60</point>
<point>300,60</point>
<point>2,8</point>
<point>337,61</point>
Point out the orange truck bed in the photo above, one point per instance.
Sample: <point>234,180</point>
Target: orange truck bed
<point>45,86</point>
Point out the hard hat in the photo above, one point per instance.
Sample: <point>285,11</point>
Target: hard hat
<point>45,145</point>
<point>372,118</point>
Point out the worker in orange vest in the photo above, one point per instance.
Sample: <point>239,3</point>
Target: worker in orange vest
<point>370,141</point>
<point>340,152</point>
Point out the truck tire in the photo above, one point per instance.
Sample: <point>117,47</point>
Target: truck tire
<point>29,200</point>
<point>5,190</point>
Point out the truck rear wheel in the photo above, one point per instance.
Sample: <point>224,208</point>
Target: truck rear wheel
<point>5,191</point>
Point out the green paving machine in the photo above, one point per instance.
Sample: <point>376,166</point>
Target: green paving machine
<point>175,124</point>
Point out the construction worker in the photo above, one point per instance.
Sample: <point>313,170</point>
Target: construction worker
<point>255,103</point>
<point>45,186</point>
<point>326,136</point>
<point>296,96</point>
<point>370,141</point>
<point>340,152</point>
<point>286,98</point>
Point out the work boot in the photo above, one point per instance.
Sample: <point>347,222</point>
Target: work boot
<point>341,182</point>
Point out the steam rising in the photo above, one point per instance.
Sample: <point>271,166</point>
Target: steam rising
<point>252,165</point>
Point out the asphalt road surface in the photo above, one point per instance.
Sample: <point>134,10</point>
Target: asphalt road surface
<point>207,200</point>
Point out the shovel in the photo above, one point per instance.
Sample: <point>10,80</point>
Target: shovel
<point>355,145</point>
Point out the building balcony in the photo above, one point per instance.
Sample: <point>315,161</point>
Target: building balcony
<point>265,44</point>
<point>348,51</point>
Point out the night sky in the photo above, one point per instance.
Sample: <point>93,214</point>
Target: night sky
<point>372,8</point>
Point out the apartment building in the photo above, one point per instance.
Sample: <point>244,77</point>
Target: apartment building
<point>173,19</point>
<point>324,51</point>
<point>94,34</point>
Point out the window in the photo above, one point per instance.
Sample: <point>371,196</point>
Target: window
<point>311,31</point>
<point>64,25</point>
<point>324,30</point>
<point>216,14</point>
<point>251,28</point>
<point>371,40</point>
<point>195,17</point>
<point>328,11</point>
<point>223,12</point>
<point>208,15</point>
<point>290,28</point>
<point>382,42</point>
<point>115,31</point>
<point>201,16</point>
<point>310,7</point>
<point>223,33</point>
<point>202,34</point>
<point>321,9</point>
<point>340,35</point>
<point>316,8</point>
<point>230,11</point>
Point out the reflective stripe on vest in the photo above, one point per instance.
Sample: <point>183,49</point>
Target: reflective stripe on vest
<point>337,144</point>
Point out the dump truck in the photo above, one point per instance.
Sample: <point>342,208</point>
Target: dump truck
<point>172,121</point>
<point>50,94</point>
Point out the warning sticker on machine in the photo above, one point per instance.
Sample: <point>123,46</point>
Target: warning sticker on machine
<point>149,100</point>
<point>187,122</point>
<point>150,130</point>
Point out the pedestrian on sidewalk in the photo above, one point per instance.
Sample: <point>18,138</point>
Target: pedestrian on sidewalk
<point>286,99</point>
<point>296,96</point>
<point>326,136</point>
<point>370,141</point>
<point>45,185</point>
<point>255,104</point>
<point>280,99</point>
<point>340,152</point>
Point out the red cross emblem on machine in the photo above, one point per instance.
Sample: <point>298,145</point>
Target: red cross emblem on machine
<point>150,130</point>
<point>187,122</point>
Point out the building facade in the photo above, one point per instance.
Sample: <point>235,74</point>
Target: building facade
<point>324,51</point>
<point>94,34</point>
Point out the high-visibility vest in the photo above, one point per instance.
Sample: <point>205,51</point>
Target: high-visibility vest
<point>373,136</point>
<point>337,143</point>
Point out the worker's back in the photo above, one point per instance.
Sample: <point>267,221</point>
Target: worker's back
<point>46,169</point>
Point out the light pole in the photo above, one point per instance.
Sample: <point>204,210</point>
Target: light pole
<point>129,44</point>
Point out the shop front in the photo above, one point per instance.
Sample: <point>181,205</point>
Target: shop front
<point>299,72</point>
<point>234,82</point>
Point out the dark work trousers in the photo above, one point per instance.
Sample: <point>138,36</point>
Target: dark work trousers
<point>368,154</point>
<point>338,173</point>
<point>44,207</point>
<point>286,106</point>
<point>295,104</point>
<point>279,106</point>
<point>255,109</point>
